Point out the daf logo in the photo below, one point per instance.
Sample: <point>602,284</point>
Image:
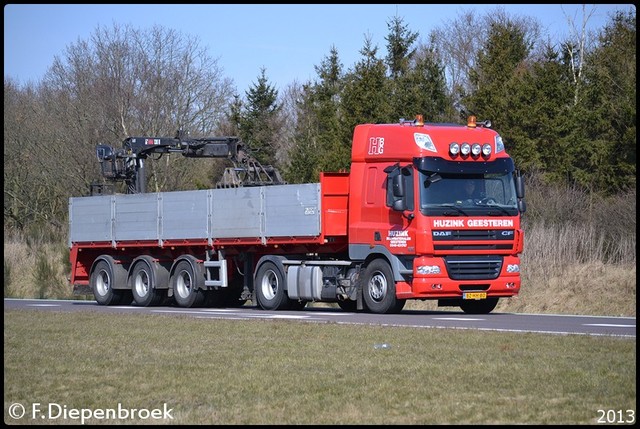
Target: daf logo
<point>507,233</point>
<point>441,233</point>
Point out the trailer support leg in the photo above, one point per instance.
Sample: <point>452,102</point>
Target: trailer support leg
<point>247,289</point>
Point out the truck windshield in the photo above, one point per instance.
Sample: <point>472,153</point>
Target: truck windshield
<point>459,194</point>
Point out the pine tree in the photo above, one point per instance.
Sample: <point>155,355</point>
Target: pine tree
<point>365,97</point>
<point>607,161</point>
<point>318,133</point>
<point>260,122</point>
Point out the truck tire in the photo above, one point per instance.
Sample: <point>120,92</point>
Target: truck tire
<point>143,285</point>
<point>270,287</point>
<point>186,283</point>
<point>379,288</point>
<point>482,306</point>
<point>105,275</point>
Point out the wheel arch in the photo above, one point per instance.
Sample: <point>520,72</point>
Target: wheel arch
<point>119,268</point>
<point>278,261</point>
<point>196,266</point>
<point>158,270</point>
<point>361,252</point>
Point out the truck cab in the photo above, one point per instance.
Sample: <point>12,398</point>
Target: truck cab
<point>441,204</point>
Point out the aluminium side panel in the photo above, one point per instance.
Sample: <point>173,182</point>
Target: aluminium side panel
<point>237,212</point>
<point>184,215</point>
<point>90,219</point>
<point>136,217</point>
<point>292,210</point>
<point>249,212</point>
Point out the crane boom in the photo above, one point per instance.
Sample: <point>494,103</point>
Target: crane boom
<point>127,164</point>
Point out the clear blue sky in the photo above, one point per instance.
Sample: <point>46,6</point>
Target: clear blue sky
<point>287,40</point>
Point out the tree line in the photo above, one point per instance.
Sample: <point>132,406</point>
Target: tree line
<point>565,109</point>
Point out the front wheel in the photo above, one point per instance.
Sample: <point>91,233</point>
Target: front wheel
<point>482,306</point>
<point>379,288</point>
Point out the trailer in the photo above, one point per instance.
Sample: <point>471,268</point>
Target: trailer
<point>393,228</point>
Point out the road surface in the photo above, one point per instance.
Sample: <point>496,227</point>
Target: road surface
<point>504,322</point>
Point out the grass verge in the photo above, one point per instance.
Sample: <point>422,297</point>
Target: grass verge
<point>278,372</point>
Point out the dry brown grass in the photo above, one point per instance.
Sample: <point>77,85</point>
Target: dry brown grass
<point>552,281</point>
<point>579,257</point>
<point>36,270</point>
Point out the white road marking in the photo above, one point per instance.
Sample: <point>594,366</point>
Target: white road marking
<point>464,319</point>
<point>609,325</point>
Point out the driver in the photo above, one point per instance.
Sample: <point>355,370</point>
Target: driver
<point>469,193</point>
<point>469,189</point>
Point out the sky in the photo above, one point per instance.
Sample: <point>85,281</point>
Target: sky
<point>288,41</point>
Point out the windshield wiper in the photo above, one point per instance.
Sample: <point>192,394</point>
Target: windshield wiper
<point>453,206</point>
<point>496,205</point>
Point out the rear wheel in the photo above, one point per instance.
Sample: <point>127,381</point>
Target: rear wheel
<point>481,306</point>
<point>187,283</point>
<point>270,287</point>
<point>104,277</point>
<point>143,285</point>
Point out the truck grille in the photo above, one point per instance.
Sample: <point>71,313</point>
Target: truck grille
<point>473,267</point>
<point>486,239</point>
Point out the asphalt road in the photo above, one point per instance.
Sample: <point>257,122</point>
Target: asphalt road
<point>504,322</point>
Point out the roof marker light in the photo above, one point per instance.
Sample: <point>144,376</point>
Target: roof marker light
<point>471,121</point>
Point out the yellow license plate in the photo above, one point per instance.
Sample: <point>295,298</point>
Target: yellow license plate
<point>474,295</point>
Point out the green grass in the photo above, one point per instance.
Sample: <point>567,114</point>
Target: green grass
<point>278,372</point>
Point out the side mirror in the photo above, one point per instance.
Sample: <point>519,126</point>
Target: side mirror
<point>398,186</point>
<point>522,206</point>
<point>399,205</point>
<point>519,185</point>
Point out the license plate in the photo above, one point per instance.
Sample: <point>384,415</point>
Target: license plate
<point>474,295</point>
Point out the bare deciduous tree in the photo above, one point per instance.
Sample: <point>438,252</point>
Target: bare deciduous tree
<point>127,81</point>
<point>459,41</point>
<point>577,47</point>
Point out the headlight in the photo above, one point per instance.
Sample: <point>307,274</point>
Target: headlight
<point>454,149</point>
<point>486,149</point>
<point>499,144</point>
<point>476,149</point>
<point>465,148</point>
<point>428,269</point>
<point>513,268</point>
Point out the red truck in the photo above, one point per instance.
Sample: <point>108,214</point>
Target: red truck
<point>427,212</point>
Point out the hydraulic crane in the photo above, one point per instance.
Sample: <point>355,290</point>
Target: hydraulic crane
<point>128,163</point>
